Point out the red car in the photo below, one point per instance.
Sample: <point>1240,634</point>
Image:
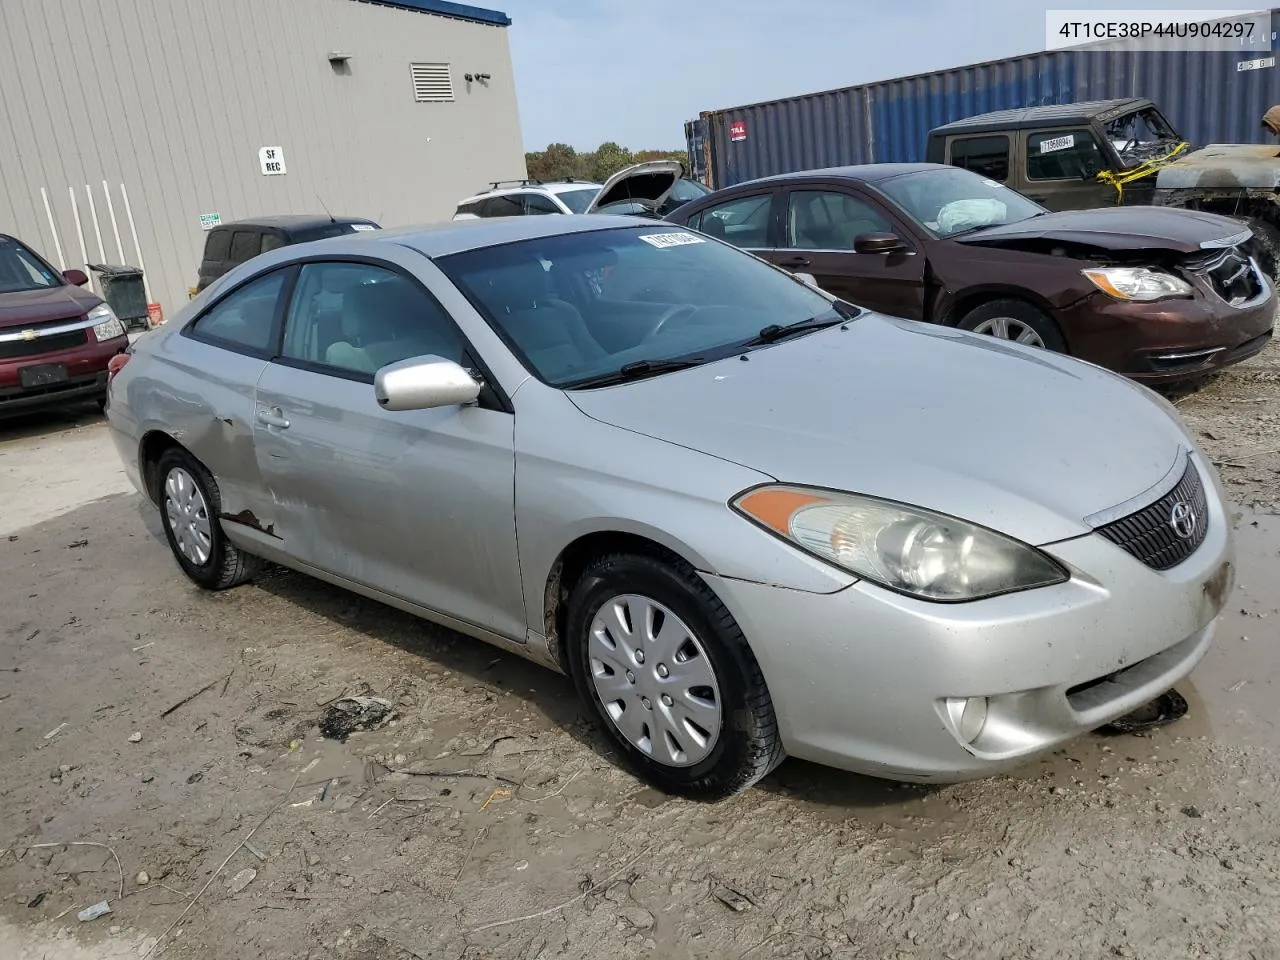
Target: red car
<point>56,339</point>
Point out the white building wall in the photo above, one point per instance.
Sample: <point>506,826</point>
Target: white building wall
<point>174,98</point>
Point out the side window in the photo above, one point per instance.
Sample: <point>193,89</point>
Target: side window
<point>827,220</point>
<point>537,203</point>
<point>245,317</point>
<point>988,156</point>
<point>356,318</point>
<point>1063,155</point>
<point>245,245</point>
<point>744,221</point>
<point>218,246</point>
<point>504,205</point>
<point>271,241</point>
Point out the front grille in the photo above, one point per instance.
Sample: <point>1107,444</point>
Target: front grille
<point>9,349</point>
<point>1231,276</point>
<point>1149,534</point>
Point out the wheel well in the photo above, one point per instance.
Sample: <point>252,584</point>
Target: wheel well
<point>964,304</point>
<point>569,567</point>
<point>152,448</point>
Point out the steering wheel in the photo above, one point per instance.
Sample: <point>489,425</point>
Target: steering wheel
<point>687,309</point>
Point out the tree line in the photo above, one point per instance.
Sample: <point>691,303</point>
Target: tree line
<point>559,161</point>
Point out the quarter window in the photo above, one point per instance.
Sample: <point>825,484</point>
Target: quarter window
<point>826,220</point>
<point>1063,155</point>
<point>271,241</point>
<point>355,318</point>
<point>988,156</point>
<point>218,246</point>
<point>504,205</point>
<point>246,317</point>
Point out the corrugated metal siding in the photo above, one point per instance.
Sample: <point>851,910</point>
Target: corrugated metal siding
<point>1203,93</point>
<point>173,98</point>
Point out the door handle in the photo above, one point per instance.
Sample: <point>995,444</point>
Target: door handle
<point>272,418</point>
<point>794,262</point>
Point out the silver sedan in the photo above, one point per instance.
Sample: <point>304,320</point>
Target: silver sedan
<point>748,519</point>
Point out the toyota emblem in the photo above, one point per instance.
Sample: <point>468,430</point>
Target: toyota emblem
<point>1183,520</point>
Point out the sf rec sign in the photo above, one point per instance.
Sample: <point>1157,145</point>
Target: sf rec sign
<point>271,161</point>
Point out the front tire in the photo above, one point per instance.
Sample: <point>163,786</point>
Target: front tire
<point>1016,321</point>
<point>670,677</point>
<point>190,505</point>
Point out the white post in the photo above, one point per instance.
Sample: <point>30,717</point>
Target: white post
<point>137,250</point>
<point>115,227</point>
<point>75,214</point>
<point>97,230</point>
<point>57,244</point>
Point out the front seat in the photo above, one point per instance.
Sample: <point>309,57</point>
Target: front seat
<point>549,331</point>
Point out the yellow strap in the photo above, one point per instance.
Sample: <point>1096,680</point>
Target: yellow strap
<point>1144,169</point>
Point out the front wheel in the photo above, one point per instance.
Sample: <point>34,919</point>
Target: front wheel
<point>190,505</point>
<point>670,676</point>
<point>1016,321</point>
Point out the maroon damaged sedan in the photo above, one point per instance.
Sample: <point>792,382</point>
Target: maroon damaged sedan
<point>1157,294</point>
<point>56,339</point>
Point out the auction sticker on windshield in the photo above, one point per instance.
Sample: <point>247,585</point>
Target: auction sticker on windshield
<point>670,239</point>
<point>1058,143</point>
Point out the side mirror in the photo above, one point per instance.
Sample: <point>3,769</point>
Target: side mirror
<point>78,277</point>
<point>877,243</point>
<point>422,383</point>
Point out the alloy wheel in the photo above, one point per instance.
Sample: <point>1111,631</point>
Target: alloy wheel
<point>1009,328</point>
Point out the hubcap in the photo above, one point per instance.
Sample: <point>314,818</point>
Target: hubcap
<point>188,516</point>
<point>671,712</point>
<point>1007,328</point>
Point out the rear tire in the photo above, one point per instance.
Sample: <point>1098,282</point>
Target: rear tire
<point>190,505</point>
<point>1015,321</point>
<point>678,682</point>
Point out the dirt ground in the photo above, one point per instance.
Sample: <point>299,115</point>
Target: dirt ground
<point>488,820</point>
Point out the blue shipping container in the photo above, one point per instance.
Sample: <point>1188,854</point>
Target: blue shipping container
<point>1209,96</point>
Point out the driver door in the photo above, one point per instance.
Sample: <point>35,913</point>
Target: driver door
<point>1062,167</point>
<point>418,504</point>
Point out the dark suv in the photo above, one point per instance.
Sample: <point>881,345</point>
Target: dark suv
<point>231,244</point>
<point>56,339</point>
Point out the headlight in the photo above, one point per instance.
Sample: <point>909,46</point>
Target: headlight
<point>106,326</point>
<point>1138,283</point>
<point>907,549</point>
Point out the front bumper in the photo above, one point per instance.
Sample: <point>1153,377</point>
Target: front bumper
<point>860,678</point>
<point>86,367</point>
<point>1169,340</point>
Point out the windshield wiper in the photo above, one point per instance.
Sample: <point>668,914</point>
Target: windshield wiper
<point>776,331</point>
<point>637,370</point>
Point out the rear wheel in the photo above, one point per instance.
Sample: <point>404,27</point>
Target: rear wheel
<point>670,677</point>
<point>190,505</point>
<point>1016,321</point>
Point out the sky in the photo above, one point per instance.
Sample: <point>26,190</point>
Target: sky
<point>634,71</point>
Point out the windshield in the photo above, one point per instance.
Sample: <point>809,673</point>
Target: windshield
<point>579,306</point>
<point>953,201</point>
<point>1141,135</point>
<point>20,269</point>
<point>578,200</point>
<point>686,190</point>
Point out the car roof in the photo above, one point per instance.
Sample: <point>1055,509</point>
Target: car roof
<point>459,236</point>
<point>293,221</point>
<point>532,186</point>
<point>864,172</point>
<point>1025,117</point>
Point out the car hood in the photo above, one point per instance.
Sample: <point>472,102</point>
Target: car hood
<point>1119,228</point>
<point>1019,440</point>
<point>27,307</point>
<point>1223,166</point>
<point>650,181</point>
